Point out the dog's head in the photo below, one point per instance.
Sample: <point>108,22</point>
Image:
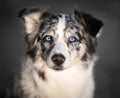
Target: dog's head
<point>61,40</point>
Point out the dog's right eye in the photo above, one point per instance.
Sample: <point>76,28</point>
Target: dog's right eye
<point>48,38</point>
<point>72,39</point>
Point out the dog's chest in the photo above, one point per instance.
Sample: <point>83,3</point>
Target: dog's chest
<point>66,84</point>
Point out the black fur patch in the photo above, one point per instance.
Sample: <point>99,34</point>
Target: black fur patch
<point>53,17</point>
<point>32,52</point>
<point>89,43</point>
<point>45,15</point>
<point>78,48</point>
<point>49,50</point>
<point>84,57</point>
<point>21,13</point>
<point>78,34</point>
<point>42,47</point>
<point>69,23</point>
<point>91,24</point>
<point>42,75</point>
<point>59,15</point>
<point>90,47</point>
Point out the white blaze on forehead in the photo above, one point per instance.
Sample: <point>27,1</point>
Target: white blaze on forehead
<point>61,26</point>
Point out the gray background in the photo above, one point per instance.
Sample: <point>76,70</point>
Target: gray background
<point>107,69</point>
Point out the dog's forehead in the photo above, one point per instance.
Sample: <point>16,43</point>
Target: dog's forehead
<point>59,23</point>
<point>59,20</point>
<point>65,21</point>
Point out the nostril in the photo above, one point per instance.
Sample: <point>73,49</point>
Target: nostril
<point>58,59</point>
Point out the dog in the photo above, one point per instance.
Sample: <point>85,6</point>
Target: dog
<point>60,55</point>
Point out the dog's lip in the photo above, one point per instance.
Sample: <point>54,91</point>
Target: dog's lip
<point>58,68</point>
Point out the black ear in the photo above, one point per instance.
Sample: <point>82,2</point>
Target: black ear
<point>92,24</point>
<point>22,12</point>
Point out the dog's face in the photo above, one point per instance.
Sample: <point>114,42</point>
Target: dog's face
<point>61,40</point>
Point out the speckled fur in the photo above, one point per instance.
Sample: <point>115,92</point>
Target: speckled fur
<point>74,78</point>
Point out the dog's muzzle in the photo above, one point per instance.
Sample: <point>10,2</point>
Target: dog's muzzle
<point>58,59</point>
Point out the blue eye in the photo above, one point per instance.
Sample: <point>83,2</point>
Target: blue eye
<point>72,39</point>
<point>48,38</point>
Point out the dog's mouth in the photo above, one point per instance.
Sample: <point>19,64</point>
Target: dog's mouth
<point>58,68</point>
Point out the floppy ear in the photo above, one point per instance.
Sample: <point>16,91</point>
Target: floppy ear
<point>33,19</point>
<point>92,25</point>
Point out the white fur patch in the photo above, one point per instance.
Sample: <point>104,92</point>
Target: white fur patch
<point>75,82</point>
<point>61,26</point>
<point>32,22</point>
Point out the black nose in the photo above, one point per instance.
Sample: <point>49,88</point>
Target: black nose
<point>58,59</point>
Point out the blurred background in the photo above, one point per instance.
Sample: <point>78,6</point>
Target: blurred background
<point>107,69</point>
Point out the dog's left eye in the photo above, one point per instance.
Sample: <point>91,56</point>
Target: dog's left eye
<point>48,38</point>
<point>72,39</point>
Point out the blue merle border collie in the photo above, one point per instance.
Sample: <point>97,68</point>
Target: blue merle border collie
<point>60,55</point>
